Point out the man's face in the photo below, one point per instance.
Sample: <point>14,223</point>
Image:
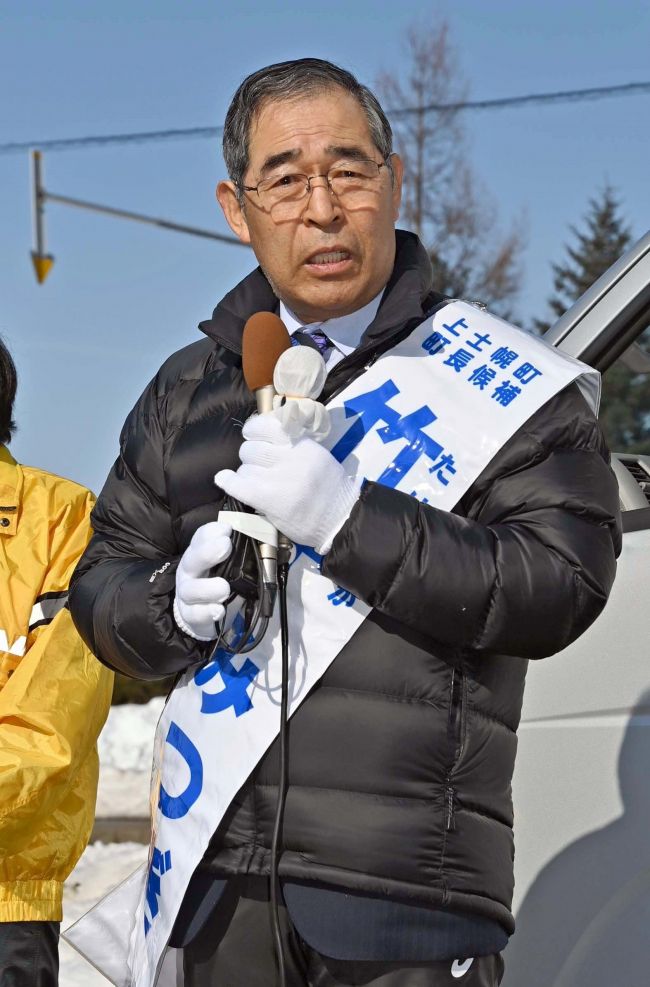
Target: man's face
<point>329,258</point>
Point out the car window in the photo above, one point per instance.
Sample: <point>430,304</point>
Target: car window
<point>625,405</point>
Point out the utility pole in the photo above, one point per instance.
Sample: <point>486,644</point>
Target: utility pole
<point>43,262</point>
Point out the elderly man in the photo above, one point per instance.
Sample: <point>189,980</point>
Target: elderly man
<point>397,845</point>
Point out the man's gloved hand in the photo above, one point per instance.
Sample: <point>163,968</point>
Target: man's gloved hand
<point>199,600</point>
<point>297,485</point>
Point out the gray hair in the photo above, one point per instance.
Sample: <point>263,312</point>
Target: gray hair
<point>287,80</point>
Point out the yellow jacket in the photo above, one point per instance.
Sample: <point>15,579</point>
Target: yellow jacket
<point>54,694</point>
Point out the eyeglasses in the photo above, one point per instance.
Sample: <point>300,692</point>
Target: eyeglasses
<point>347,180</point>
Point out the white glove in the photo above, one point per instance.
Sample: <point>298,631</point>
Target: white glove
<point>198,603</point>
<point>298,378</point>
<point>302,416</point>
<point>299,485</point>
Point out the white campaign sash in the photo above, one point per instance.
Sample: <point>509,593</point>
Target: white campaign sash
<point>426,419</point>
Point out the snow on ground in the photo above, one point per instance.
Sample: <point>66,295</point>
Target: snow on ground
<point>101,868</point>
<point>125,748</point>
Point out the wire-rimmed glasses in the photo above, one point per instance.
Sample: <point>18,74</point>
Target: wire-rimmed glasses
<point>284,192</point>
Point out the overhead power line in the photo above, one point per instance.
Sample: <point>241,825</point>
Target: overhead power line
<point>147,136</point>
<point>150,136</point>
<point>562,96</point>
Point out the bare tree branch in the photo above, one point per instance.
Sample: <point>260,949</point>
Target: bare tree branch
<point>443,201</point>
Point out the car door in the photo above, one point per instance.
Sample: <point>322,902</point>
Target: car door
<point>581,788</point>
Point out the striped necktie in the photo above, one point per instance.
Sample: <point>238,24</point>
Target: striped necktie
<point>316,339</point>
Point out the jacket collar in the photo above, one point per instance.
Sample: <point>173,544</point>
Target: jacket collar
<point>11,486</point>
<point>406,296</point>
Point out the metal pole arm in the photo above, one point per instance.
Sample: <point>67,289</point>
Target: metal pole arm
<point>142,218</point>
<point>43,262</point>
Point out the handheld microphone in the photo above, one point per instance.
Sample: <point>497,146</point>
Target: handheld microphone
<point>265,339</point>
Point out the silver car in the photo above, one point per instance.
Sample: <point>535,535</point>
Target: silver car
<point>582,781</point>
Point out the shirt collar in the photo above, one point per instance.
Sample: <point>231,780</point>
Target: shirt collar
<point>345,331</point>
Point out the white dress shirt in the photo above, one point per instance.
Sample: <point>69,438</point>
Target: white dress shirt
<point>344,332</point>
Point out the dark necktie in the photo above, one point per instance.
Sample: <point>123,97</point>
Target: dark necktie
<point>316,339</point>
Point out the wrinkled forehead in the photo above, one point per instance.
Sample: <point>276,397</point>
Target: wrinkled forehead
<point>328,119</point>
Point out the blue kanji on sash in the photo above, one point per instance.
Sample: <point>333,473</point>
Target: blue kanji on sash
<point>479,340</point>
<point>410,428</point>
<point>372,408</point>
<point>505,393</point>
<point>458,360</point>
<point>459,322</point>
<point>526,372</point>
<point>482,376</point>
<point>177,806</point>
<point>161,863</point>
<point>435,343</point>
<point>503,357</point>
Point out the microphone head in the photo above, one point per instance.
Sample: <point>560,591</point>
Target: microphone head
<point>265,339</point>
<point>300,373</point>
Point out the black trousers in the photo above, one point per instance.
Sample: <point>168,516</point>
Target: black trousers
<point>235,947</point>
<point>29,954</point>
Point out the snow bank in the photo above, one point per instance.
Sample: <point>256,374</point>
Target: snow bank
<point>125,749</point>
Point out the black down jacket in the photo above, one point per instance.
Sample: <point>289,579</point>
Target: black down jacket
<point>401,757</point>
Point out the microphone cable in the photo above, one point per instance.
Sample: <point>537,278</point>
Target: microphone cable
<point>255,623</point>
<point>254,631</point>
<point>276,842</point>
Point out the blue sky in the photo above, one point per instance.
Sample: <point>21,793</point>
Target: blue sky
<point>123,296</point>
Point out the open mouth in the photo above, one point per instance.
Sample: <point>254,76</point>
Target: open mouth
<point>329,261</point>
<point>329,257</point>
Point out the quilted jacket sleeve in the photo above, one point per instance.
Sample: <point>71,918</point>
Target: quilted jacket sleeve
<point>525,563</point>
<point>122,591</point>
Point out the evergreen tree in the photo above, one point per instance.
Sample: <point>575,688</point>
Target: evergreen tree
<point>604,240</point>
<point>625,406</point>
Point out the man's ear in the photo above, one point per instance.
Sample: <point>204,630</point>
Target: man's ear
<point>398,174</point>
<point>232,210</point>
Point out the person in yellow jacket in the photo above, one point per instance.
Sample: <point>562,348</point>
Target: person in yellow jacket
<point>54,699</point>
